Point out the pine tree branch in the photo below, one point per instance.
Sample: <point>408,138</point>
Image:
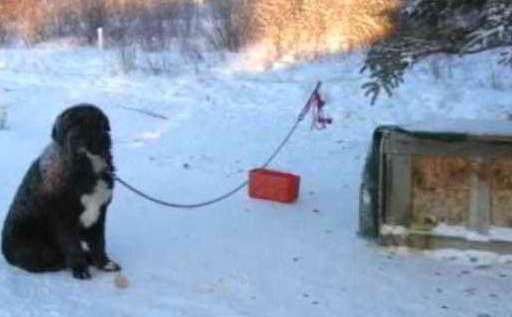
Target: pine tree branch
<point>506,58</point>
<point>428,29</point>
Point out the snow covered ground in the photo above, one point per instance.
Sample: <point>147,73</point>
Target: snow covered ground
<point>244,257</point>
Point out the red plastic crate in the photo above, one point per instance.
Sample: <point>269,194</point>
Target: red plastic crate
<point>273,185</point>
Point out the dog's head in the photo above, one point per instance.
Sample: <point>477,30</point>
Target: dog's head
<point>83,127</point>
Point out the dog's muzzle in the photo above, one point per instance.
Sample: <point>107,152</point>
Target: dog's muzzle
<point>96,142</point>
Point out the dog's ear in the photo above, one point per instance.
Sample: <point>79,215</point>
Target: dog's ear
<point>61,130</point>
<point>107,124</point>
<point>57,131</point>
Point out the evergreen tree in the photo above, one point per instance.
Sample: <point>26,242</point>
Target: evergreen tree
<point>429,27</point>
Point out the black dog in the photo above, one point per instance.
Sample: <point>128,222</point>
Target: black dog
<point>57,219</point>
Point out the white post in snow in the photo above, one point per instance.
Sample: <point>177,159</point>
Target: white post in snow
<point>100,39</point>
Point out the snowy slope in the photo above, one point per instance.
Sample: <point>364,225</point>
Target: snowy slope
<point>244,257</point>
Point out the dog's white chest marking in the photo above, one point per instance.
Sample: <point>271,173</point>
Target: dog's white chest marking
<point>100,195</point>
<point>93,202</point>
<point>98,163</point>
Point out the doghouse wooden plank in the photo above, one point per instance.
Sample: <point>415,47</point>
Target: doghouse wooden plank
<point>381,208</point>
<point>501,193</point>
<point>502,174</point>
<point>440,190</point>
<point>432,207</point>
<point>400,144</point>
<point>426,172</point>
<point>454,172</point>
<point>501,214</point>
<point>480,196</point>
<point>398,190</point>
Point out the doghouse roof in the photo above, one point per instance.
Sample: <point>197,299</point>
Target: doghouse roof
<point>489,128</point>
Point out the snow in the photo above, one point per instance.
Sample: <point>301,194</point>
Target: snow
<point>500,234</point>
<point>243,257</point>
<point>494,234</point>
<point>392,230</point>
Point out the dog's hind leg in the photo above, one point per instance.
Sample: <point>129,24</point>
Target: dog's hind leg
<point>36,258</point>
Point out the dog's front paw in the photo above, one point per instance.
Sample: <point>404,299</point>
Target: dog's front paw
<point>105,264</point>
<point>81,273</point>
<point>110,266</point>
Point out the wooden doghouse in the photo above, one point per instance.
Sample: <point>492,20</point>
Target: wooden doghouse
<point>444,184</point>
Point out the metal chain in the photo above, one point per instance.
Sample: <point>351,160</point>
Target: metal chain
<point>300,118</point>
